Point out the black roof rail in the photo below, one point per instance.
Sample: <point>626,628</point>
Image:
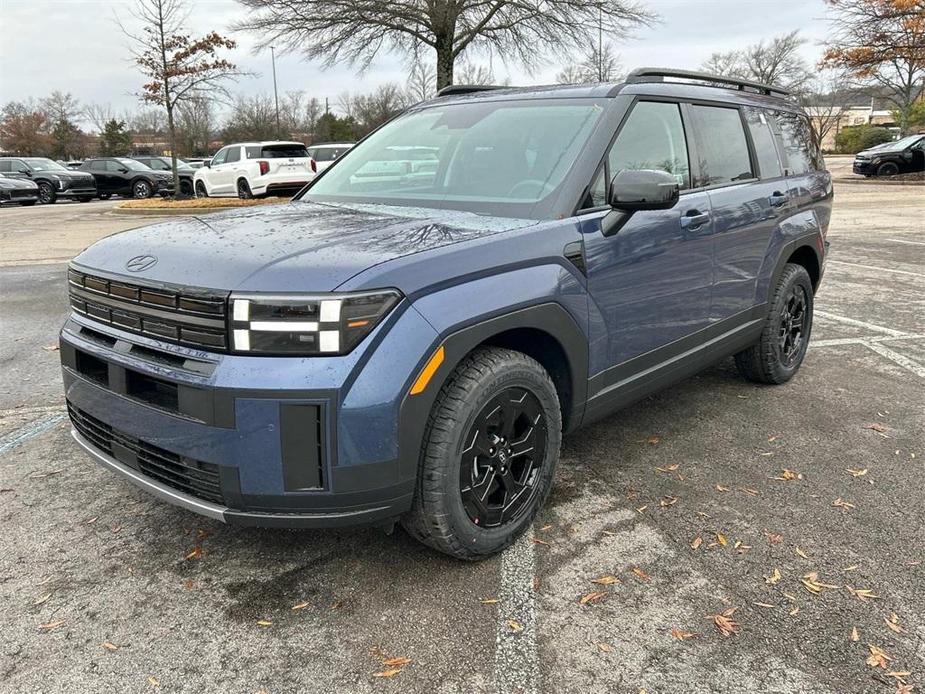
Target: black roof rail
<point>658,74</point>
<point>456,89</point>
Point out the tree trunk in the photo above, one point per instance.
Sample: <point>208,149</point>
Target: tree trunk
<point>445,62</point>
<point>172,136</point>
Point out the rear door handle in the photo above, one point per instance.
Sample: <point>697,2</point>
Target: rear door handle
<point>694,219</point>
<point>776,199</point>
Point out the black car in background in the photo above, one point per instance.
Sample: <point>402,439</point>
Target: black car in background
<point>53,180</point>
<point>15,191</point>
<point>128,178</point>
<point>184,170</point>
<point>903,156</point>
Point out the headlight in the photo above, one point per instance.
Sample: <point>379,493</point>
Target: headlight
<point>306,324</point>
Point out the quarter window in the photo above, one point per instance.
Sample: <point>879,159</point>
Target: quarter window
<point>652,138</point>
<point>759,125</point>
<point>234,154</point>
<point>722,147</point>
<point>802,154</point>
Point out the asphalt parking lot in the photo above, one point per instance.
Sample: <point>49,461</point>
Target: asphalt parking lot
<point>793,517</point>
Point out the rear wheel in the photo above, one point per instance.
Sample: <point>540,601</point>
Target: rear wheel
<point>488,456</point>
<point>244,190</point>
<point>47,194</point>
<point>186,187</point>
<point>141,189</point>
<point>777,355</point>
<point>201,191</point>
<point>888,168</point>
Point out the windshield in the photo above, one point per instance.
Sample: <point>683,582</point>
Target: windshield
<point>133,165</point>
<point>899,145</point>
<point>496,157</point>
<point>44,165</point>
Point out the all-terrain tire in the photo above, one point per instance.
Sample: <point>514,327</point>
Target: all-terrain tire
<point>764,361</point>
<point>888,169</point>
<point>438,517</point>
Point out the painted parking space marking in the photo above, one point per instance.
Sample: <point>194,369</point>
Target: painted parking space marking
<point>31,430</point>
<point>517,668</point>
<point>861,323</point>
<point>837,341</point>
<point>911,243</point>
<point>877,268</point>
<point>894,356</point>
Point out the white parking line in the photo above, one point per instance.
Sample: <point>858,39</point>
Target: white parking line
<point>864,324</point>
<point>836,341</point>
<point>911,243</point>
<point>23,434</point>
<point>876,268</point>
<point>900,359</point>
<point>517,668</point>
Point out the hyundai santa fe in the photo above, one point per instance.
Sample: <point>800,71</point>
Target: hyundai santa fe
<point>411,345</point>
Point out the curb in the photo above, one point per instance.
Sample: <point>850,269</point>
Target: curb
<point>874,181</point>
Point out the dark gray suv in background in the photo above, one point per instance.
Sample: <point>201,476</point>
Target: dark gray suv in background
<point>53,180</point>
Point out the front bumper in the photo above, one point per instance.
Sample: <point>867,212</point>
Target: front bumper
<point>864,167</point>
<point>260,441</point>
<point>15,196</point>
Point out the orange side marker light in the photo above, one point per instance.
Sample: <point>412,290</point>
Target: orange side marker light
<point>430,368</point>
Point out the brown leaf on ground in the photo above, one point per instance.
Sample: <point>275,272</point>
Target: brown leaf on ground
<point>396,662</point>
<point>51,348</point>
<point>764,604</point>
<point>856,473</point>
<point>725,624</point>
<point>789,475</point>
<point>596,596</point>
<point>862,594</point>
<point>749,491</point>
<point>42,599</point>
<point>794,612</point>
<point>812,583</point>
<point>195,554</point>
<point>605,580</point>
<point>264,623</point>
<point>841,503</point>
<point>669,468</point>
<point>538,541</point>
<point>721,488</point>
<point>773,578</point>
<point>490,601</point>
<point>51,626</point>
<point>109,646</point>
<point>854,635</point>
<point>892,623</point>
<point>877,657</point>
<point>668,501</point>
<point>696,542</point>
<point>300,606</point>
<point>642,575</point>
<point>879,428</point>
<point>653,440</point>
<point>604,647</point>
<point>800,553</point>
<point>391,672</point>
<point>720,538</point>
<point>514,626</point>
<point>682,635</point>
<point>153,682</point>
<point>774,538</point>
<point>904,688</point>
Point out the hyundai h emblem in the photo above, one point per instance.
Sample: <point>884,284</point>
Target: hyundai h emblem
<point>140,263</point>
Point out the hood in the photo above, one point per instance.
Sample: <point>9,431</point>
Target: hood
<point>73,175</point>
<point>298,246</point>
<point>10,183</point>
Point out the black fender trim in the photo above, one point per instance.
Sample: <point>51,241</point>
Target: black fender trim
<point>815,241</point>
<point>550,317</point>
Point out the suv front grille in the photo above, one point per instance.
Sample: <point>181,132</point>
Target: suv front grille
<point>197,320</point>
<point>186,475</point>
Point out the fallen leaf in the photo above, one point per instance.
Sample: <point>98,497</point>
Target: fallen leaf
<point>764,604</point>
<point>153,682</point>
<point>606,580</point>
<point>879,428</point>
<point>300,606</point>
<point>721,488</point>
<point>640,573</point>
<point>794,611</point>
<point>92,520</point>
<point>841,503</point>
<point>681,635</point>
<point>653,440</point>
<point>109,646</point>
<point>725,624</point>
<point>812,583</point>
<point>195,554</point>
<point>264,623</point>
<point>669,468</point>
<point>773,578</point>
<point>854,635</point>
<point>892,623</point>
<point>791,598</point>
<point>538,541</point>
<point>862,594</point>
<point>514,626</point>
<point>396,662</point>
<point>51,626</point>
<point>42,599</point>
<point>772,438</point>
<point>774,538</point>
<point>596,596</point>
<point>545,528</point>
<point>697,541</point>
<point>720,538</point>
<point>668,501</point>
<point>801,553</point>
<point>899,675</point>
<point>856,473</point>
<point>490,601</point>
<point>391,672</point>
<point>749,491</point>
<point>877,657</point>
<point>604,648</point>
<point>789,475</point>
<point>51,348</point>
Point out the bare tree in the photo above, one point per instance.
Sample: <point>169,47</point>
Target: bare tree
<point>422,79</point>
<point>356,31</point>
<point>251,118</point>
<point>472,73</point>
<point>594,66</point>
<point>776,62</point>
<point>60,106</point>
<point>313,112</point>
<point>180,68</point>
<point>882,43</point>
<point>826,99</point>
<point>97,115</point>
<point>195,123</point>
<point>149,121</point>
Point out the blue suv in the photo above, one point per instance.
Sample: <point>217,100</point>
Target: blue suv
<point>411,336</point>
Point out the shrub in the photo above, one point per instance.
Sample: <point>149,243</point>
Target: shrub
<point>855,138</point>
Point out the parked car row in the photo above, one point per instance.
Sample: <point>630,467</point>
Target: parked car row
<point>14,191</point>
<point>906,155</point>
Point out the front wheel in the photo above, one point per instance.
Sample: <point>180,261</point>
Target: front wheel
<point>201,191</point>
<point>141,189</point>
<point>887,169</point>
<point>780,350</point>
<point>488,457</point>
<point>47,194</point>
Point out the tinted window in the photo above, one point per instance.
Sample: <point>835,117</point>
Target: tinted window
<point>802,154</point>
<point>723,149</point>
<point>283,151</point>
<point>326,153</point>
<point>234,154</point>
<point>97,165</point>
<point>252,152</point>
<point>759,125</point>
<point>5,166</point>
<point>652,138</point>
<point>114,166</point>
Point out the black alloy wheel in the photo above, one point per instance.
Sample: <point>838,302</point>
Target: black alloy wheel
<point>244,190</point>
<point>500,466</point>
<point>141,189</point>
<point>201,191</point>
<point>888,169</point>
<point>793,324</point>
<point>47,193</point>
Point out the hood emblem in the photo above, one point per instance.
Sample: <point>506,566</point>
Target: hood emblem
<point>140,263</point>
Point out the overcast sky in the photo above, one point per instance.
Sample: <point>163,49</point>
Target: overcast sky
<point>75,46</point>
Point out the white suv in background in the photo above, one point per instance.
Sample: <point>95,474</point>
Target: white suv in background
<point>325,154</point>
<point>249,169</point>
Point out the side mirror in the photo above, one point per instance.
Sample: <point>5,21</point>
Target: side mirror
<point>123,170</point>
<point>643,189</point>
<point>25,171</point>
<point>207,163</point>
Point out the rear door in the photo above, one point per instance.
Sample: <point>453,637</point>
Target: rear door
<point>746,202</point>
<point>650,282</point>
<point>287,158</point>
<point>216,174</point>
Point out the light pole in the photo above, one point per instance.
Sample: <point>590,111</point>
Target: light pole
<point>275,92</point>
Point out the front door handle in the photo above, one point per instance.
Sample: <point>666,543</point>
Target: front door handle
<point>694,219</point>
<point>776,199</point>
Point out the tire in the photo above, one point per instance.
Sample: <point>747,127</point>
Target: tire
<point>30,203</point>
<point>244,189</point>
<point>201,191</point>
<point>780,350</point>
<point>888,169</point>
<point>141,189</point>
<point>489,380</point>
<point>186,188</point>
<point>47,194</point>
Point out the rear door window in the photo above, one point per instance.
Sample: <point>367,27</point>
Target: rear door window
<point>651,138</point>
<point>722,148</point>
<point>5,166</point>
<point>234,154</point>
<point>759,126</point>
<point>803,155</point>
